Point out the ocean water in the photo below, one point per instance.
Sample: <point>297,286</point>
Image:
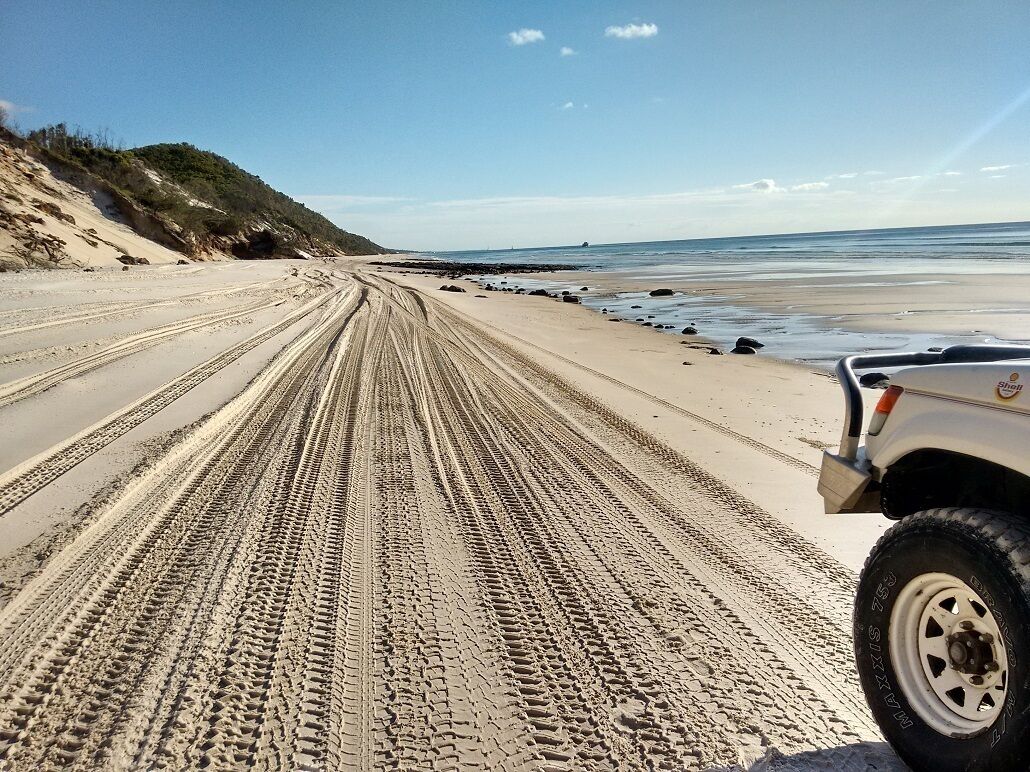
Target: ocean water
<point>842,259</point>
<point>993,247</point>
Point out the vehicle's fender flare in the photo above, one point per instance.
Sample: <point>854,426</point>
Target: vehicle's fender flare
<point>930,423</point>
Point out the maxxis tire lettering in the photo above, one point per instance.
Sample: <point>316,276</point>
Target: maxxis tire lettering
<point>877,652</point>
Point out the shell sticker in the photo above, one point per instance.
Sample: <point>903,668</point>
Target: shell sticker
<point>1009,389</point>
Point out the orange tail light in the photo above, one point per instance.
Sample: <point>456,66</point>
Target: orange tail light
<point>884,408</point>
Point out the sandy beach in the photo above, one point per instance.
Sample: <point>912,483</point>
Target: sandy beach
<point>309,513</point>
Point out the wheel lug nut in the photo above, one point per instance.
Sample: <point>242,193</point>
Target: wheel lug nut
<point>976,680</point>
<point>986,638</point>
<point>967,625</point>
<point>991,667</point>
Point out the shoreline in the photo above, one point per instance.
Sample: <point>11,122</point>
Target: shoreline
<point>811,320</point>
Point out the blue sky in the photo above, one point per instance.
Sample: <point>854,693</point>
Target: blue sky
<point>427,125</point>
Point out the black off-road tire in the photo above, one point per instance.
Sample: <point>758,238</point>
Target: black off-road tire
<point>989,551</point>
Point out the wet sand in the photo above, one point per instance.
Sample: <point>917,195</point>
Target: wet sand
<point>816,319</point>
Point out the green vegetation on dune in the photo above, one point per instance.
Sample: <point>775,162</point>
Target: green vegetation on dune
<point>243,196</point>
<point>210,201</point>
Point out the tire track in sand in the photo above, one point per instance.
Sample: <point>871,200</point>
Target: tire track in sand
<point>406,545</point>
<point>28,477</point>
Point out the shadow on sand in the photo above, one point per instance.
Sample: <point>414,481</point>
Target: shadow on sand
<point>860,757</point>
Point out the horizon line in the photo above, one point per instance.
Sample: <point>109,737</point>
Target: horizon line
<point>724,238</point>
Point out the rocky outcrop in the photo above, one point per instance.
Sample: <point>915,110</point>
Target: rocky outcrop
<point>454,269</point>
<point>661,293</point>
<point>260,245</point>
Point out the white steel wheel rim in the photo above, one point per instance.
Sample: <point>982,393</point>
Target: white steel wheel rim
<point>933,614</point>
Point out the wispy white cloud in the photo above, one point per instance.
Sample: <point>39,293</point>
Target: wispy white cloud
<point>909,178</point>
<point>1000,168</point>
<point>566,51</point>
<point>997,176</point>
<point>845,176</point>
<point>629,31</point>
<point>568,106</point>
<point>873,173</point>
<point>760,186</point>
<point>810,186</point>
<point>524,36</point>
<point>11,108</point>
<point>951,174</point>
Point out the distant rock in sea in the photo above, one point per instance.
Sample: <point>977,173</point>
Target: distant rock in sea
<point>661,293</point>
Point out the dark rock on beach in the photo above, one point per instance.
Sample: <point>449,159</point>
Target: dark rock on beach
<point>875,380</point>
<point>690,330</point>
<point>743,350</point>
<point>570,299</point>
<point>451,288</point>
<point>539,293</point>
<point>661,293</point>
<point>749,342</point>
<point>714,351</point>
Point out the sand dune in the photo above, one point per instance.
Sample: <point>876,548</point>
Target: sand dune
<point>398,529</point>
<point>47,221</point>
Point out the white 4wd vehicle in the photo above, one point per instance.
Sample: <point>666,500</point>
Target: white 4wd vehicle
<point>942,614</point>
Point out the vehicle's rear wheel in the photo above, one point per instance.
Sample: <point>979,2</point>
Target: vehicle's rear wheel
<point>942,639</point>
